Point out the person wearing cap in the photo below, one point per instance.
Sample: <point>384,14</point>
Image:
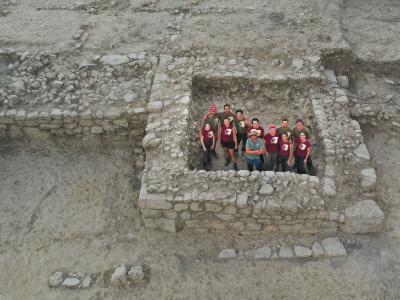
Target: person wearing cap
<point>255,124</point>
<point>254,148</point>
<point>285,151</point>
<point>271,148</point>
<point>297,130</point>
<point>242,124</point>
<point>207,141</point>
<point>284,128</point>
<point>227,134</point>
<point>302,149</point>
<point>212,118</point>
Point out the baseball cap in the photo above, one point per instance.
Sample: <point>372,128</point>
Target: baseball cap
<point>272,126</point>
<point>253,132</point>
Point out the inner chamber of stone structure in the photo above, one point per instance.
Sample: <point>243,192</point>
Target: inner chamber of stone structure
<point>267,101</point>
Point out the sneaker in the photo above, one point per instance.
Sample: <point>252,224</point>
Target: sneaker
<point>227,161</point>
<point>235,166</point>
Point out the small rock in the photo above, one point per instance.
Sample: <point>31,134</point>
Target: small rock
<point>266,189</point>
<point>227,253</point>
<point>56,278</point>
<point>317,250</point>
<point>368,179</point>
<point>362,152</point>
<point>119,278</point>
<point>365,216</point>
<point>86,282</point>
<point>136,274</point>
<point>300,251</point>
<point>128,98</point>
<point>330,77</point>
<point>286,252</point>
<point>343,81</point>
<point>71,283</point>
<point>114,60</point>
<point>263,253</point>
<point>333,247</point>
<point>243,173</point>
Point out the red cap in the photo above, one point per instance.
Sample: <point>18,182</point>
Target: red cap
<point>213,108</point>
<point>272,126</point>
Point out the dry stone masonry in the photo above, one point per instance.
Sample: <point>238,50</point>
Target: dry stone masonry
<point>156,102</point>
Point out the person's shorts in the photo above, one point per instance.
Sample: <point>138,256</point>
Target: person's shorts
<point>229,145</point>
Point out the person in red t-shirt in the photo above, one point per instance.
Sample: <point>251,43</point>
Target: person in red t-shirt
<point>272,148</point>
<point>285,151</point>
<point>207,141</point>
<point>301,153</point>
<point>227,135</point>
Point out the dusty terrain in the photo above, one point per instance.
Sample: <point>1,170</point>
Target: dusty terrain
<point>70,204</point>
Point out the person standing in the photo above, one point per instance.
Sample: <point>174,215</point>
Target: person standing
<point>226,114</point>
<point>272,148</point>
<point>242,124</point>
<point>254,148</point>
<point>207,141</point>
<point>297,130</point>
<point>284,128</point>
<point>301,152</point>
<point>285,150</point>
<point>255,124</point>
<point>212,118</point>
<point>228,141</point>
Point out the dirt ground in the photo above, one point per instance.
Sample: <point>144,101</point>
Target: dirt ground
<point>70,204</point>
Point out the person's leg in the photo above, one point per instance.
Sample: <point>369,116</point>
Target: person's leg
<point>283,162</point>
<point>268,162</point>
<point>227,156</point>
<point>274,162</point>
<point>204,158</point>
<point>300,165</point>
<point>310,166</point>
<point>233,158</point>
<point>258,165</point>
<point>250,165</point>
<point>209,150</point>
<point>239,139</point>
<point>213,153</point>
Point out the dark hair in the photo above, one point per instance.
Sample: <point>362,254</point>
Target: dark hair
<point>227,105</point>
<point>285,120</point>
<point>300,120</point>
<point>255,119</point>
<point>239,110</point>
<point>284,133</point>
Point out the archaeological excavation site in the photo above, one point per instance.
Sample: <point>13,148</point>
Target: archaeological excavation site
<point>106,191</point>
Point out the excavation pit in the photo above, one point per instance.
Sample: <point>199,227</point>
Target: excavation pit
<point>268,101</point>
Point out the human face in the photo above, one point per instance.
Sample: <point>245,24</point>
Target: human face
<point>207,127</point>
<point>284,138</point>
<point>239,115</point>
<point>226,122</point>
<point>255,124</point>
<point>299,125</point>
<point>227,108</point>
<point>272,131</point>
<point>302,137</point>
<point>285,124</point>
<point>253,137</point>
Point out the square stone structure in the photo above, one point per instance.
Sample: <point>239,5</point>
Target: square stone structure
<point>161,98</point>
<point>174,197</point>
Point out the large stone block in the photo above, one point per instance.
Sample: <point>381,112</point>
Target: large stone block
<point>365,216</point>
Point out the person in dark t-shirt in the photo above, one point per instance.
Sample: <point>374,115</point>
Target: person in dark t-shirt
<point>212,118</point>
<point>242,124</point>
<point>284,128</point>
<point>227,135</point>
<point>285,150</point>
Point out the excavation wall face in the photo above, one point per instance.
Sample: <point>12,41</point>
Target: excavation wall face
<point>174,197</point>
<point>267,101</point>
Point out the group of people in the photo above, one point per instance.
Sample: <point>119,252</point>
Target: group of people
<point>282,148</point>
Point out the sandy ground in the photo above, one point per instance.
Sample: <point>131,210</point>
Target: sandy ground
<point>70,205</point>
<point>66,205</point>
